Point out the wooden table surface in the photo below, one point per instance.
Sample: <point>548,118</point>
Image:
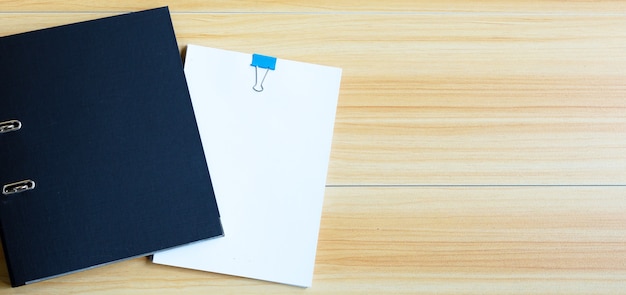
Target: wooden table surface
<point>479,148</point>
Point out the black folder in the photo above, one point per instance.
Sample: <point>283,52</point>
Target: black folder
<point>100,154</point>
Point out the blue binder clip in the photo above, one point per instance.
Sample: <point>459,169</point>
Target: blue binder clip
<point>264,62</point>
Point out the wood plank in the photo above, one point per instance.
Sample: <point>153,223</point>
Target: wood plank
<point>465,100</point>
<point>562,240</point>
<point>435,57</point>
<point>401,6</point>
<point>479,146</point>
<point>447,99</point>
<point>496,58</point>
<point>415,54</point>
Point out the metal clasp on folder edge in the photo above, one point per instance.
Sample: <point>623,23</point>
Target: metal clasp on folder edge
<point>18,187</point>
<point>8,126</point>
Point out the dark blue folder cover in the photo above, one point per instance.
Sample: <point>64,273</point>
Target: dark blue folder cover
<point>110,139</point>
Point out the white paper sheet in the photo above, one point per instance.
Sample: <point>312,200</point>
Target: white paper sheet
<point>268,155</point>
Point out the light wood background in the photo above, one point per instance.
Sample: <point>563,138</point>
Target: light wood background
<point>480,146</point>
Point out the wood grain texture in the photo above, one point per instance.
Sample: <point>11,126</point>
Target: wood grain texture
<point>499,125</point>
<point>559,240</point>
<point>327,6</point>
<point>454,99</point>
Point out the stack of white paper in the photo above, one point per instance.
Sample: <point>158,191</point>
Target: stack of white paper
<point>268,156</point>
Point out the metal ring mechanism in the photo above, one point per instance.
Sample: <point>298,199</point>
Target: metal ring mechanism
<point>18,187</point>
<point>8,126</point>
